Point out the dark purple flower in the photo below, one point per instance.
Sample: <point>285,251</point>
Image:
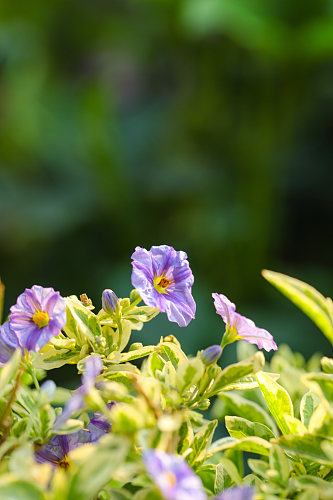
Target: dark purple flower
<point>56,451</point>
<point>237,493</point>
<point>173,476</point>
<point>164,279</point>
<point>110,301</point>
<point>211,354</point>
<point>99,424</point>
<point>38,315</point>
<point>8,343</point>
<point>93,367</point>
<point>239,327</point>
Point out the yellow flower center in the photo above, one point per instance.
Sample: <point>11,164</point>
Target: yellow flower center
<point>170,478</point>
<point>161,283</point>
<point>41,319</point>
<point>64,463</point>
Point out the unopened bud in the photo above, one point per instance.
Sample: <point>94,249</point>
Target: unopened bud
<point>110,301</point>
<point>211,354</point>
<point>48,388</point>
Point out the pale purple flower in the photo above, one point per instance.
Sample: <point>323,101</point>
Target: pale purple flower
<point>237,493</point>
<point>173,476</point>
<point>8,343</point>
<point>241,328</point>
<point>164,280</point>
<point>38,315</point>
<point>99,424</point>
<point>56,451</point>
<point>93,367</point>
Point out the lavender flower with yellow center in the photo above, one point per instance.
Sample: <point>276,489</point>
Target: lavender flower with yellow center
<point>56,451</point>
<point>38,315</point>
<point>164,279</point>
<point>239,327</point>
<point>173,476</point>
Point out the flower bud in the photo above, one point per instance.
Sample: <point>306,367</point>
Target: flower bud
<point>211,354</point>
<point>48,388</point>
<point>110,301</point>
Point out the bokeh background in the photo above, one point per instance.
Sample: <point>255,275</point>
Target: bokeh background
<point>203,124</point>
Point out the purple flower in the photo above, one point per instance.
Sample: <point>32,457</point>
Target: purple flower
<point>8,343</point>
<point>93,367</point>
<point>164,279</point>
<point>99,424</point>
<point>173,476</point>
<point>38,315</point>
<point>211,354</point>
<point>56,451</point>
<point>237,493</point>
<point>239,327</point>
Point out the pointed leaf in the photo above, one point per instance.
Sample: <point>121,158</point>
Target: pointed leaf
<point>307,298</point>
<point>277,399</point>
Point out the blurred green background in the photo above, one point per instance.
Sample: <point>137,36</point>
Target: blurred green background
<point>203,124</point>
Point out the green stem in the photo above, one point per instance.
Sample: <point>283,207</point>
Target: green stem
<point>132,305</point>
<point>120,332</point>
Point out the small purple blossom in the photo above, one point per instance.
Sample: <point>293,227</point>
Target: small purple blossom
<point>211,354</point>
<point>99,424</point>
<point>8,343</point>
<point>38,315</point>
<point>56,451</point>
<point>173,476</point>
<point>93,367</point>
<point>164,279</point>
<point>237,493</point>
<point>239,327</point>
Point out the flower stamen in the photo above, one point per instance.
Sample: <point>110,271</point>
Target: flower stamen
<point>161,283</point>
<point>170,478</point>
<point>41,319</point>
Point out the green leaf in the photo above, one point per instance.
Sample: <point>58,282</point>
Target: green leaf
<point>94,466</point>
<point>55,358</point>
<point>239,428</point>
<point>9,372</point>
<point>186,436</point>
<point>322,385</point>
<point>82,323</point>
<point>19,489</point>
<point>250,444</point>
<point>138,353</point>
<point>321,422</point>
<point>259,467</point>
<point>70,426</point>
<point>171,352</point>
<point>309,403</point>
<point>237,371</point>
<point>307,298</point>
<point>200,444</point>
<point>308,446</point>
<point>142,314</point>
<point>235,404</point>
<point>277,399</point>
<point>279,463</point>
<point>249,382</point>
<point>189,372</point>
